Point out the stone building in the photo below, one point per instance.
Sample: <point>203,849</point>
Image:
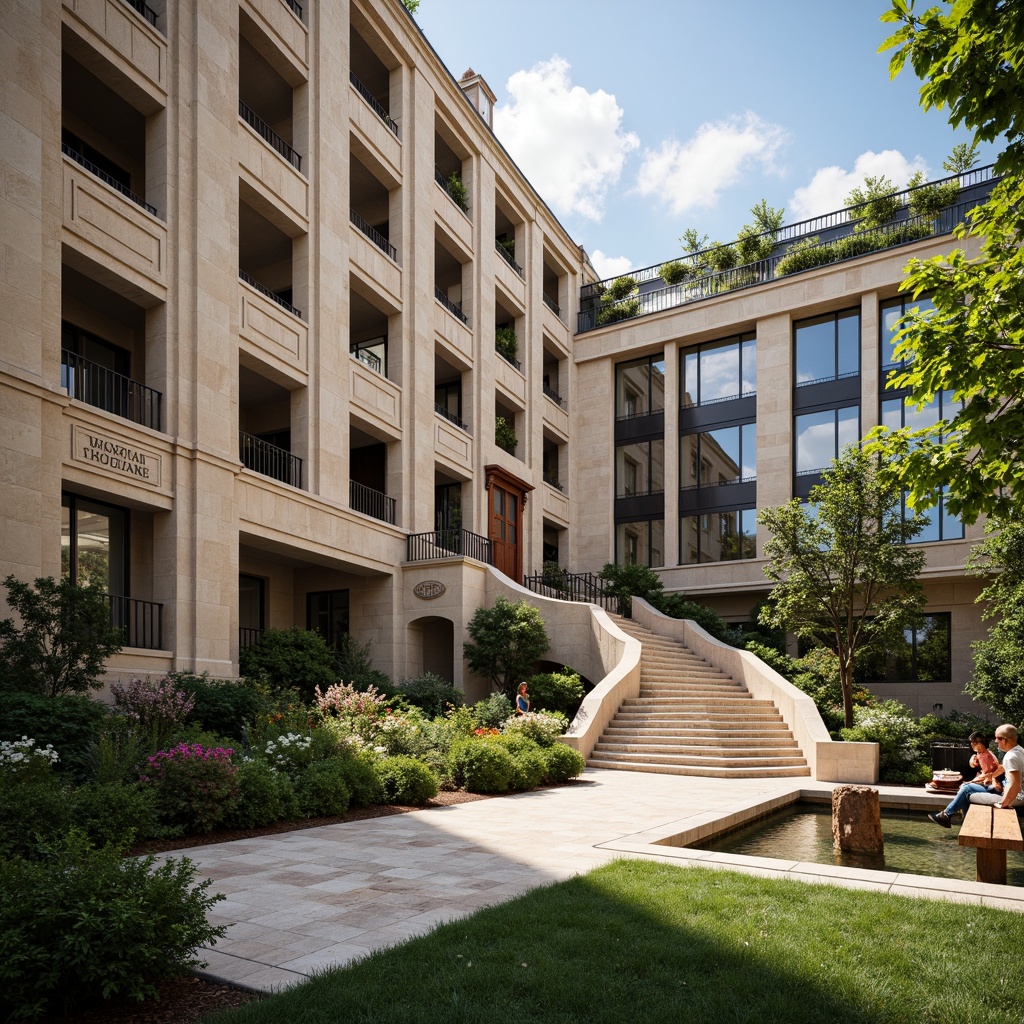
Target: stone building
<point>288,339</point>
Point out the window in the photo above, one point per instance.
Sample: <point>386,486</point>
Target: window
<point>640,543</point>
<point>251,608</point>
<point>640,387</point>
<point>721,537</point>
<point>327,613</point>
<point>720,371</point>
<point>890,314</point>
<point>94,544</point>
<point>922,657</point>
<point>821,436</point>
<point>372,353</point>
<point>827,347</point>
<point>726,455</point>
<point>640,469</point>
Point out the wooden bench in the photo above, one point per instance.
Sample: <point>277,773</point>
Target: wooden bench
<point>993,830</point>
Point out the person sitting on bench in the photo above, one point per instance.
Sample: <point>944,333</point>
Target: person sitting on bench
<point>1012,795</point>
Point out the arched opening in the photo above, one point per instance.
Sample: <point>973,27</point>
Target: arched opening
<point>433,638</point>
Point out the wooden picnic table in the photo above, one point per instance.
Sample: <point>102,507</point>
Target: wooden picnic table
<point>993,830</point>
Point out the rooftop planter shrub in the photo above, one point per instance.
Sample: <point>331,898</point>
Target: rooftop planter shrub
<point>931,200</point>
<point>623,310</point>
<point>620,288</point>
<point>676,271</point>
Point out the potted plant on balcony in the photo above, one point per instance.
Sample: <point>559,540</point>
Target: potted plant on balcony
<point>505,435</point>
<point>457,190</point>
<point>506,343</point>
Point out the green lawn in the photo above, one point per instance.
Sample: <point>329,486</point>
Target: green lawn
<point>638,941</point>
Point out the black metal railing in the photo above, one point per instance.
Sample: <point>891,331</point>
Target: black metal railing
<point>268,460</point>
<point>552,481</point>
<point>509,359</point>
<point>370,502</point>
<point>586,587</point>
<point>375,105</point>
<point>443,182</point>
<point>842,241</point>
<point>373,235</point>
<point>248,637</point>
<point>367,358</point>
<point>261,128</point>
<point>552,305</point>
<point>109,179</point>
<point>264,290</point>
<point>507,257</point>
<point>450,416</point>
<point>296,8</point>
<point>444,543</point>
<point>112,392</point>
<point>453,307</point>
<point>147,12</point>
<point>141,622</point>
<point>554,396</point>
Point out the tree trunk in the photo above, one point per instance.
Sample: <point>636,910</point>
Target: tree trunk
<point>846,681</point>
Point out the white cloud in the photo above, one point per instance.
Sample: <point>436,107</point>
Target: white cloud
<point>693,174</point>
<point>610,266</point>
<point>568,142</point>
<point>831,185</point>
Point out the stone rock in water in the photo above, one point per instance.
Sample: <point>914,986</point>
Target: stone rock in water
<point>856,820</point>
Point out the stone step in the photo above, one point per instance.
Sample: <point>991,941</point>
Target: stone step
<point>668,703</point>
<point>702,759</point>
<point>690,738</point>
<point>731,772</point>
<point>743,755</point>
<point>683,687</point>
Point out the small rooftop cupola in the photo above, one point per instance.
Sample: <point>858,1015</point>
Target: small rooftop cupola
<point>480,95</point>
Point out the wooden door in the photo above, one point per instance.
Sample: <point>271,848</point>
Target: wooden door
<point>506,506</point>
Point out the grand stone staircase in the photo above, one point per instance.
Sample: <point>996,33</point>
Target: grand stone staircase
<point>692,719</point>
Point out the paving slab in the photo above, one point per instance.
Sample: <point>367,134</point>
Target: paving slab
<point>301,901</point>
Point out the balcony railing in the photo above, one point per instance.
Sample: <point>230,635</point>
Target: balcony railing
<point>507,257</point>
<point>370,502</point>
<point>103,176</point>
<point>443,182</point>
<point>296,8</point>
<point>267,459</point>
<point>248,637</point>
<point>264,290</point>
<point>554,396</point>
<point>375,105</point>
<point>450,416</point>
<point>147,12</point>
<point>141,622</point>
<point>509,359</point>
<point>261,128</point>
<point>552,481</point>
<point>373,235</point>
<point>587,587</point>
<point>112,392</point>
<point>840,241</point>
<point>552,305</point>
<point>368,358</point>
<point>454,308</point>
<point>445,543</point>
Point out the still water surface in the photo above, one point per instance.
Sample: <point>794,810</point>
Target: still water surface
<point>912,843</point>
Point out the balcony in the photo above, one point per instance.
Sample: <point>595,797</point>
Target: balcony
<point>554,396</point>
<point>248,637</point>
<point>454,308</point>
<point>552,305</point>
<point>268,460</point>
<point>258,125</point>
<point>112,392</point>
<point>69,151</point>
<point>451,417</point>
<point>147,12</point>
<point>370,502</point>
<point>141,622</point>
<point>456,195</point>
<point>445,543</point>
<point>296,8</point>
<point>375,106</point>
<point>503,252</point>
<point>264,290</point>
<point>823,240</point>
<point>373,235</point>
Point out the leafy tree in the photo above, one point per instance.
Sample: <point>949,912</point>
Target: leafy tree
<point>971,60</point>
<point>625,582</point>
<point>845,577</point>
<point>290,660</point>
<point>63,641</point>
<point>505,641</point>
<point>998,678</point>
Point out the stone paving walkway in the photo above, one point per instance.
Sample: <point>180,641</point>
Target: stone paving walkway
<point>301,901</point>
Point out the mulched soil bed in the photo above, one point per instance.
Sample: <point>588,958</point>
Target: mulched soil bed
<point>190,999</point>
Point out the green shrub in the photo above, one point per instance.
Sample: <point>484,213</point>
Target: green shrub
<point>196,786</point>
<point>528,769</point>
<point>621,287</point>
<point>479,766</point>
<point>957,725</point>
<point>675,271</point>
<point>720,257</point>
<point>556,691</point>
<point>492,711</point>
<point>154,708</point>
<point>457,190</point>
<point>616,311</point>
<point>625,582</point>
<point>677,607</point>
<point>354,665</point>
<point>224,706</point>
<point>86,923</point>
<point>114,812</point>
<point>33,811</point>
<point>430,693</point>
<point>362,781</point>
<point>506,343</point>
<point>322,789</point>
<point>265,795</point>
<point>563,763</point>
<point>289,661</point>
<point>406,781</point>
<point>896,731</point>
<point>542,727</point>
<point>70,723</point>
<point>116,752</point>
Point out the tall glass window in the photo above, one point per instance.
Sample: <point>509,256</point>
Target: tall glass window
<point>720,371</point>
<point>922,657</point>
<point>640,387</point>
<point>890,314</point>
<point>640,543</point>
<point>821,436</point>
<point>718,536</point>
<point>327,613</point>
<point>726,455</point>
<point>827,347</point>
<point>94,544</point>
<point>640,469</point>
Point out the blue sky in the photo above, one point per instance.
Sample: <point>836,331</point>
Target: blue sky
<point>636,123</point>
